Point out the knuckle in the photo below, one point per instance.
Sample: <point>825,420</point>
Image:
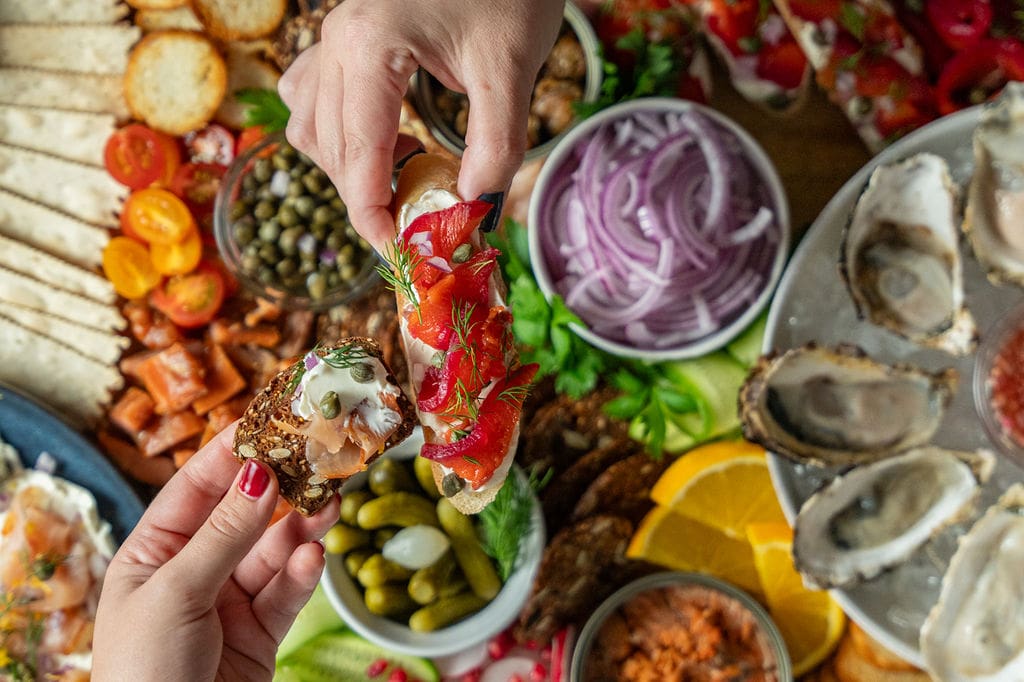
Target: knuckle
<point>299,135</point>
<point>228,523</point>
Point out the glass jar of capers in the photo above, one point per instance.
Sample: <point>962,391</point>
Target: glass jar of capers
<point>283,229</point>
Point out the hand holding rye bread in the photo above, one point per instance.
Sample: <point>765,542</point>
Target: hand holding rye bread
<point>202,588</point>
<point>345,97</point>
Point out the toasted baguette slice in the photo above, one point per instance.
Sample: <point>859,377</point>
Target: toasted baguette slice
<point>181,18</point>
<point>240,19</point>
<point>101,346</point>
<point>175,81</point>
<point>62,11</point>
<point>68,47</point>
<point>269,433</point>
<point>61,90</point>
<point>52,231</point>
<point>73,135</point>
<point>245,70</point>
<point>156,4</point>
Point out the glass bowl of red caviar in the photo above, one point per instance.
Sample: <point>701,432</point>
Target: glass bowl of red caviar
<point>999,383</point>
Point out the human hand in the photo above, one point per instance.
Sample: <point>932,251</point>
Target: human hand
<point>202,589</point>
<point>345,93</point>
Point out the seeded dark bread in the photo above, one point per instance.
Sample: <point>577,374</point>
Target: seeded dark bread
<point>258,436</point>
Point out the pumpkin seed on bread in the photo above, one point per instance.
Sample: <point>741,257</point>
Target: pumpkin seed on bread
<point>339,435</point>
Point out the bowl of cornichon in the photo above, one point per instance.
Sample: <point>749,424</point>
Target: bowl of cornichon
<point>284,231</point>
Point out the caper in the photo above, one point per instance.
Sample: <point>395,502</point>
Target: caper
<point>263,193</point>
<point>345,253</point>
<point>319,230</point>
<point>295,189</point>
<point>330,405</point>
<point>288,241</point>
<point>317,285</point>
<point>307,266</point>
<point>305,206</point>
<point>338,205</point>
<point>288,216</point>
<point>269,254</point>
<point>252,248</point>
<point>351,233</point>
<point>324,214</point>
<point>286,267</point>
<point>244,232</point>
<point>437,359</point>
<point>262,170</point>
<point>280,162</point>
<point>270,230</point>
<point>451,484</point>
<point>362,372</point>
<point>264,210</point>
<point>295,173</point>
<point>333,279</point>
<point>347,271</point>
<point>363,244</point>
<point>334,241</point>
<point>238,209</point>
<point>289,152</point>
<point>249,184</point>
<point>312,183</point>
<point>266,276</point>
<point>328,193</point>
<point>251,263</point>
<point>462,253</point>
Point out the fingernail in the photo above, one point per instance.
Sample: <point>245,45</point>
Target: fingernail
<point>490,221</point>
<point>254,480</point>
<point>323,547</point>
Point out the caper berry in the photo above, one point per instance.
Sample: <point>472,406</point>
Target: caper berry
<point>304,206</point>
<point>330,405</point>
<point>462,253</point>
<point>362,372</point>
<point>451,484</point>
<point>317,285</point>
<point>264,210</point>
<point>270,230</point>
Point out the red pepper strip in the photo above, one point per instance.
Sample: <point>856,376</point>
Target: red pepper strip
<point>477,456</point>
<point>449,227</point>
<point>979,72</point>
<point>464,287</point>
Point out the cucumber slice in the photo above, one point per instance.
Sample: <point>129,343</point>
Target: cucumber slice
<point>715,381</point>
<point>316,616</point>
<point>746,348</point>
<point>346,656</point>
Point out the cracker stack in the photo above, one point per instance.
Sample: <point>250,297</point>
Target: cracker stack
<point>61,67</point>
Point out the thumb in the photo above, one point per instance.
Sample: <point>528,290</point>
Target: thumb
<point>232,529</point>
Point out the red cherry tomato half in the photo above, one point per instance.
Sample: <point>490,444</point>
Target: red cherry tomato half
<point>190,300</point>
<point>137,156</point>
<point>212,144</point>
<point>979,72</point>
<point>783,64</point>
<point>197,185</point>
<point>960,23</point>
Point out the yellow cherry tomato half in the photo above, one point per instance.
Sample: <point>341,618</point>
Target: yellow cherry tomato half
<point>127,265</point>
<point>180,258</point>
<point>157,216</point>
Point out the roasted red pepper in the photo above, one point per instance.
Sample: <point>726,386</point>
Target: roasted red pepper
<point>475,457</point>
<point>979,72</point>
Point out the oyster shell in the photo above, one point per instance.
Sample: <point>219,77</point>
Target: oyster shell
<point>900,257</point>
<point>995,197</point>
<point>876,516</point>
<point>838,406</point>
<point>976,630</point>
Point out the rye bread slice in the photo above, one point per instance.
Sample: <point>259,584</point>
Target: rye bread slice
<point>259,437</point>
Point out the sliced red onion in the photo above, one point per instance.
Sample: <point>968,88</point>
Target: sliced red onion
<point>306,244</point>
<point>46,463</point>
<point>753,229</point>
<point>279,182</point>
<point>439,263</point>
<point>328,257</point>
<point>310,361</point>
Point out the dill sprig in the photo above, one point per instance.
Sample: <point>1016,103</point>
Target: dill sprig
<point>342,357</point>
<point>507,520</point>
<point>400,261</point>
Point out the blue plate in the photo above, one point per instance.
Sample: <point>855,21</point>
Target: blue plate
<point>32,429</point>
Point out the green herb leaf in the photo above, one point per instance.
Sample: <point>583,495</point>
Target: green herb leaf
<point>626,406</point>
<point>264,108</point>
<point>853,20</point>
<point>750,44</point>
<point>506,521</point>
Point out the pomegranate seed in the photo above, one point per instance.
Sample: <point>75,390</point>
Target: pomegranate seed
<point>473,675</point>
<point>545,654</point>
<point>532,644</point>
<point>398,675</point>
<point>377,667</point>
<point>499,647</point>
<point>539,673</point>
<point>516,678</point>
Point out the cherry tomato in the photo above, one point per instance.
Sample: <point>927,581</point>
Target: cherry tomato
<point>179,258</point>
<point>127,265</point>
<point>960,23</point>
<point>248,138</point>
<point>190,300</point>
<point>815,11</point>
<point>212,144</point>
<point>197,185</point>
<point>734,22</point>
<point>157,216</point>
<point>979,72</point>
<point>783,64</point>
<point>138,156</point>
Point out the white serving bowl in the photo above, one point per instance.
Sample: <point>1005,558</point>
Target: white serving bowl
<point>346,597</point>
<point>762,171</point>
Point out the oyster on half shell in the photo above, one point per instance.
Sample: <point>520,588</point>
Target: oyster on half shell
<point>835,405</point>
<point>875,516</point>
<point>976,630</point>
<point>994,216</point>
<point>900,257</point>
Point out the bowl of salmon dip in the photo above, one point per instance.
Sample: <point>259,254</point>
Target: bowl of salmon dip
<point>680,626</point>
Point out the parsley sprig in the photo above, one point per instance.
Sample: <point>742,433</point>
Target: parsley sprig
<point>264,108</point>
<point>648,398</point>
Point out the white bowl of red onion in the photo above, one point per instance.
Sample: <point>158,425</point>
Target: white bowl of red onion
<point>662,225</point>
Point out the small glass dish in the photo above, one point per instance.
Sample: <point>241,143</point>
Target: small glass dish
<point>768,638</point>
<point>290,231</point>
<point>992,360</point>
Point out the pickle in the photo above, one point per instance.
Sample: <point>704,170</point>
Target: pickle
<point>388,476</point>
<point>445,612</point>
<point>472,559</point>
<point>425,475</point>
<point>389,600</point>
<point>381,537</point>
<point>354,560</point>
<point>377,570</point>
<point>440,579</point>
<point>397,509</point>
<point>343,538</point>
<point>350,504</point>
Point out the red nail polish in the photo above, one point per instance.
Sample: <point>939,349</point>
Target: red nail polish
<point>254,480</point>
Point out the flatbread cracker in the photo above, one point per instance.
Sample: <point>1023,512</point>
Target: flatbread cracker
<point>100,346</point>
<point>58,90</point>
<point>32,262</point>
<point>54,11</point>
<point>52,231</point>
<point>86,192</point>
<point>82,48</point>
<point>74,135</point>
<point>79,387</point>
<point>31,293</point>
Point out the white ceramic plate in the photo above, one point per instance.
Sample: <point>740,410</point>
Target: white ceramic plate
<point>812,303</point>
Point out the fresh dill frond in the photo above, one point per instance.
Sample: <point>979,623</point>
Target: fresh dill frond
<point>515,394</point>
<point>507,520</point>
<point>400,261</point>
<point>345,356</point>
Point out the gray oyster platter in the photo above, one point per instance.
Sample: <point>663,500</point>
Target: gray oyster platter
<point>812,304</point>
